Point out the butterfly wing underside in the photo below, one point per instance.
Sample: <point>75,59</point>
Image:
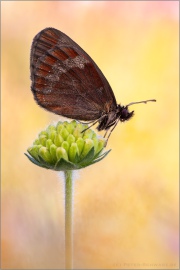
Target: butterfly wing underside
<point>65,80</point>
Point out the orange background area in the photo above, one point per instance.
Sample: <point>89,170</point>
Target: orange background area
<point>126,206</point>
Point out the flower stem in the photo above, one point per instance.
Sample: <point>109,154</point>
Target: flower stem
<point>68,219</point>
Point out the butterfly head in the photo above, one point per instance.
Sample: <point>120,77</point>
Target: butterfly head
<point>124,113</point>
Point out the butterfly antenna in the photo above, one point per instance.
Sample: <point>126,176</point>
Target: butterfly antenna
<point>144,101</point>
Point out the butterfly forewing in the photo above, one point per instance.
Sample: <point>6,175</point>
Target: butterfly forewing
<point>65,80</point>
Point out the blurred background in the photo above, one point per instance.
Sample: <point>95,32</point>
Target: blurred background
<point>126,206</point>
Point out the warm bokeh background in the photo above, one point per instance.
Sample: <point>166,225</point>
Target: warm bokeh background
<point>126,207</point>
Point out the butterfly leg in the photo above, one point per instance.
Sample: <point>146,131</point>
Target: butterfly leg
<point>93,123</point>
<point>115,124</point>
<point>106,133</point>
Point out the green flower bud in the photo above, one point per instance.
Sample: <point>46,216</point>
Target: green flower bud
<point>52,134</point>
<point>101,144</point>
<point>49,143</point>
<point>50,128</point>
<point>34,151</point>
<point>45,154</point>
<point>53,152</point>
<point>43,132</point>
<point>70,139</point>
<point>95,142</point>
<point>59,126</point>
<point>61,153</point>
<point>58,140</point>
<point>87,147</point>
<point>78,132</point>
<point>64,133</point>
<point>71,126</point>
<point>36,142</point>
<point>64,146</point>
<point>88,134</point>
<point>42,139</point>
<point>73,152</point>
<point>80,144</point>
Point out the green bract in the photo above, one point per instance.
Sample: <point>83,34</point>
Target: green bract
<point>64,147</point>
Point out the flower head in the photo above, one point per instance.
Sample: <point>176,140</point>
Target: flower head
<point>64,147</point>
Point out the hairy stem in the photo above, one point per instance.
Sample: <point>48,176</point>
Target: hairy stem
<point>68,220</point>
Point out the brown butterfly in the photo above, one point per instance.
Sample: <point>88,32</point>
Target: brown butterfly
<point>66,81</point>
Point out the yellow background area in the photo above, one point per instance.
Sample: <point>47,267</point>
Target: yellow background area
<point>126,206</point>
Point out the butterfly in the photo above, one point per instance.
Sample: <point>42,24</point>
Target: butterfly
<point>67,82</point>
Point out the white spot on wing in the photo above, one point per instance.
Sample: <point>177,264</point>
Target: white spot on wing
<point>58,68</point>
<point>75,62</point>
